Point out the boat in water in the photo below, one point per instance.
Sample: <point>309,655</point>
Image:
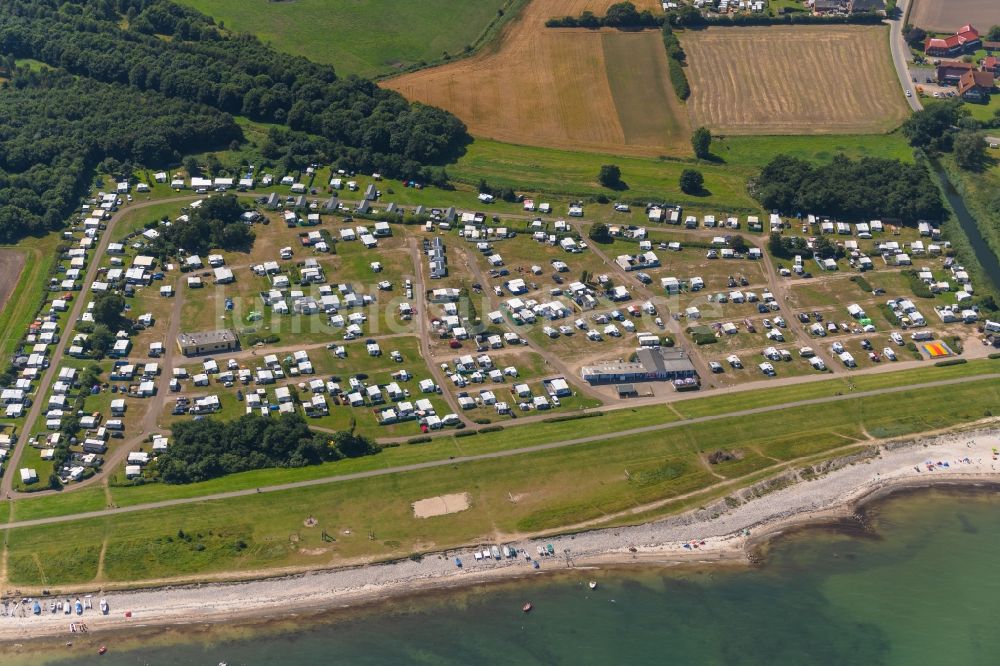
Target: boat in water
<point>104,607</point>
<point>593,584</point>
<point>526,608</point>
<point>102,649</point>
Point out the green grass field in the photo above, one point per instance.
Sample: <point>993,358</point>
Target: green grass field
<point>533,169</point>
<point>363,37</point>
<point>553,489</point>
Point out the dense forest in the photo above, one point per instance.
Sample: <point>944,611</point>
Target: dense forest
<point>869,188</point>
<point>154,76</point>
<point>209,448</point>
<point>55,127</point>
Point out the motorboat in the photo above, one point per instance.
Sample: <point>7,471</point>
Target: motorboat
<point>526,608</point>
<point>593,584</point>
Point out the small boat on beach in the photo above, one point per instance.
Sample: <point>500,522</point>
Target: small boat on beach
<point>593,584</point>
<point>496,552</point>
<point>36,608</point>
<point>552,551</point>
<point>104,607</point>
<point>458,562</point>
<point>541,551</point>
<point>526,608</point>
<point>68,607</point>
<point>79,607</point>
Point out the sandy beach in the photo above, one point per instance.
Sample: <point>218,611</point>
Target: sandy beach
<point>725,531</point>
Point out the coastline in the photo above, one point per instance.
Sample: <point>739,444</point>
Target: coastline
<point>720,533</point>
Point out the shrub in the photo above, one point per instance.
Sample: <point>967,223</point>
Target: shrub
<point>950,361</point>
<point>691,181</point>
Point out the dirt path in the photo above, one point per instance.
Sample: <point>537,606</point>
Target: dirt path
<point>7,482</point>
<point>423,333</point>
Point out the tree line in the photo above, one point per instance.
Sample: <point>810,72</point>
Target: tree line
<point>625,15</point>
<point>233,73</point>
<point>209,448</point>
<point>868,188</point>
<point>168,83</point>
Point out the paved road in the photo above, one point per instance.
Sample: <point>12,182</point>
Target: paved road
<point>900,52</point>
<point>496,454</point>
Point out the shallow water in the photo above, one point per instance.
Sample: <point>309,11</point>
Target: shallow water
<point>918,588</point>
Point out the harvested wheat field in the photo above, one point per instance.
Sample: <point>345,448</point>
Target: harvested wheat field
<point>949,15</point>
<point>600,90</point>
<point>793,80</point>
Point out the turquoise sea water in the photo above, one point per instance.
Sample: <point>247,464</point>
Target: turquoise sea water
<point>920,587</point>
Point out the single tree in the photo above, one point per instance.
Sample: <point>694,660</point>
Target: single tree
<point>621,14</point>
<point>108,308</point>
<point>599,233</point>
<point>969,149</point>
<point>739,244</point>
<point>701,141</point>
<point>610,176</point>
<point>691,181</point>
<point>191,165</point>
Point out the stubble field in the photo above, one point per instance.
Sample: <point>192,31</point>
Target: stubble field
<point>949,15</point>
<point>793,80</point>
<point>597,90</point>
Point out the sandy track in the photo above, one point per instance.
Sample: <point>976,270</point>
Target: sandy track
<point>949,15</point>
<point>556,87</point>
<point>787,80</point>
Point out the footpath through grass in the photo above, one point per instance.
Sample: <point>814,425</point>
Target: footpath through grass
<point>373,518</point>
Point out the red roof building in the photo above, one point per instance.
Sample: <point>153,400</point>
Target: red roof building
<point>976,86</point>
<point>965,38</point>
<point>991,64</point>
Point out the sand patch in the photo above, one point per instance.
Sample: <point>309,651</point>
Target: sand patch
<point>441,505</point>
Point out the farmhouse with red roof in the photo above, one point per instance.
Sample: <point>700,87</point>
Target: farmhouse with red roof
<point>965,39</point>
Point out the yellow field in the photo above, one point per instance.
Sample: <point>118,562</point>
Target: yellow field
<point>793,80</point>
<point>601,90</point>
